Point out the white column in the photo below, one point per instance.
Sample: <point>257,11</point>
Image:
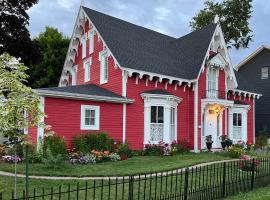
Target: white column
<point>244,126</point>
<point>166,130</point>
<point>230,123</point>
<point>146,124</point>
<point>40,129</point>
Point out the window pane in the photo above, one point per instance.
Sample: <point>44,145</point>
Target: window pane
<point>87,113</point>
<point>234,119</point>
<point>92,113</point>
<point>87,121</point>
<point>160,114</point>
<point>153,114</point>
<point>92,121</point>
<point>239,119</point>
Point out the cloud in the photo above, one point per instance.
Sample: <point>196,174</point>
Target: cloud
<point>170,17</point>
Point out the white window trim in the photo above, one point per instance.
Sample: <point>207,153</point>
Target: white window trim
<point>87,77</point>
<point>102,78</point>
<point>91,42</point>
<point>166,101</point>
<point>242,109</point>
<point>209,93</point>
<point>97,117</point>
<point>264,74</point>
<point>83,42</point>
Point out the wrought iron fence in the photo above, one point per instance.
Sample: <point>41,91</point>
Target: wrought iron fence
<point>214,181</point>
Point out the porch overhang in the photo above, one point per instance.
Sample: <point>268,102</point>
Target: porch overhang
<point>223,102</point>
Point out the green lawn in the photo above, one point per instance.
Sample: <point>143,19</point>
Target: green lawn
<point>132,166</point>
<point>257,194</point>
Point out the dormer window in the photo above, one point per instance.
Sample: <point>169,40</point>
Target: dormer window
<point>264,73</point>
<point>103,67</point>
<point>83,42</point>
<point>87,66</point>
<point>91,42</point>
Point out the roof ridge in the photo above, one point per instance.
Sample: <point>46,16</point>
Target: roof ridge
<point>139,26</point>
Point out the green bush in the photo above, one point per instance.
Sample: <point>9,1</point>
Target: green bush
<point>262,139</point>
<point>56,145</point>
<point>123,149</point>
<point>54,161</point>
<point>153,150</point>
<point>90,141</point>
<point>19,150</point>
<point>235,152</point>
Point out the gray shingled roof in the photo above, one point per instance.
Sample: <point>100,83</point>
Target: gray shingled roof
<point>139,48</point>
<point>157,91</point>
<point>244,84</point>
<point>86,89</point>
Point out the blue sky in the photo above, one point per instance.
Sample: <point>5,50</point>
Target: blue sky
<point>171,17</point>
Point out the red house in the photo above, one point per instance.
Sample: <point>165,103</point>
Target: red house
<point>143,87</point>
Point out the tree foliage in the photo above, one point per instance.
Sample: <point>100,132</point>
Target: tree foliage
<point>53,46</point>
<point>14,36</point>
<point>16,98</point>
<point>234,16</point>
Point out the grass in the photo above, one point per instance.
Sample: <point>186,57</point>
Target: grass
<point>258,194</point>
<point>132,166</point>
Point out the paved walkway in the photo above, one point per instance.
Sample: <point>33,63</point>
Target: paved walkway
<point>2,173</point>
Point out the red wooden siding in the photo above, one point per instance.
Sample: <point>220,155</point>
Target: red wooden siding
<point>64,117</point>
<point>135,111</point>
<point>114,75</point>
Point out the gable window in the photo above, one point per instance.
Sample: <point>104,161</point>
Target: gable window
<point>91,42</point>
<point>87,66</point>
<point>264,73</point>
<point>103,67</point>
<point>237,126</point>
<point>83,42</point>
<point>90,117</point>
<point>212,83</point>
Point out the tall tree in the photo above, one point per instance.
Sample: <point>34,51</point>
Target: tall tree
<point>234,16</point>
<point>14,36</point>
<point>53,47</point>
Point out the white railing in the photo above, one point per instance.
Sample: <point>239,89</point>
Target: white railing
<point>156,132</point>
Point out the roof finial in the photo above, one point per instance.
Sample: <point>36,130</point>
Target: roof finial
<point>82,2</point>
<point>216,19</point>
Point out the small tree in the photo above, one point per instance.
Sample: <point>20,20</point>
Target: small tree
<point>16,100</point>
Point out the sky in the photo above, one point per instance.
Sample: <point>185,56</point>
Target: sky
<point>170,17</point>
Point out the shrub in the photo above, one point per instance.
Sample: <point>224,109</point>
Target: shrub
<point>87,142</point>
<point>19,150</point>
<point>235,152</point>
<point>180,146</point>
<point>56,145</point>
<point>153,150</point>
<point>114,157</point>
<point>262,139</point>
<point>35,157</point>
<point>13,159</point>
<point>53,161</point>
<point>2,150</point>
<point>123,149</point>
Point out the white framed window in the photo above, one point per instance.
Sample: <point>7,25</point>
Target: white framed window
<point>212,83</point>
<point>91,42</point>
<point>237,126</point>
<point>103,67</point>
<point>83,42</point>
<point>264,73</point>
<point>90,116</point>
<point>87,69</point>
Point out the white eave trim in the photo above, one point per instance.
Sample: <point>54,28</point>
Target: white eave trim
<point>252,55</point>
<point>161,96</point>
<point>67,95</point>
<point>246,93</point>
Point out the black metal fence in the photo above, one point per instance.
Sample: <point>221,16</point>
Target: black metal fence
<point>214,181</point>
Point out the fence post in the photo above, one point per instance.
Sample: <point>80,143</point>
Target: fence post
<point>130,187</point>
<point>186,184</point>
<point>253,174</point>
<point>224,180</point>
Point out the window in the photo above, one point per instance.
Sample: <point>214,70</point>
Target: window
<point>237,126</point>
<point>264,73</point>
<point>91,42</point>
<point>83,42</point>
<point>89,117</point>
<point>156,125</point>
<point>212,83</point>
<point>87,66</point>
<point>103,68</point>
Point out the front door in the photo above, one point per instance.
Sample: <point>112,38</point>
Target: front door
<point>212,122</point>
